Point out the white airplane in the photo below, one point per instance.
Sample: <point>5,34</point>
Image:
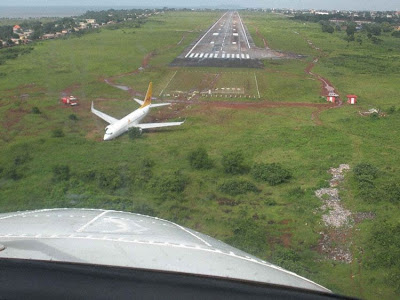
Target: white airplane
<point>118,127</point>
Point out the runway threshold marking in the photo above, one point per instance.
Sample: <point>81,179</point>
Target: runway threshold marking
<point>204,35</point>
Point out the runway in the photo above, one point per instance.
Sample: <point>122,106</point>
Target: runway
<point>226,38</point>
<point>225,43</point>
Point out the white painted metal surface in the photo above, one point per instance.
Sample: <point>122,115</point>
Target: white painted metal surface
<point>105,237</point>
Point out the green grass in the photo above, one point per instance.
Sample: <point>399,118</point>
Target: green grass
<point>280,219</point>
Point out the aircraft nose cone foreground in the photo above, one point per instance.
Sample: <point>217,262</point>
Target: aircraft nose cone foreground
<point>112,238</point>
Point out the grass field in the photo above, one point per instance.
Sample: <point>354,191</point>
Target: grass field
<point>152,174</point>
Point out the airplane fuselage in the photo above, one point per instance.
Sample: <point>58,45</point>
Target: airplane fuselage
<point>123,125</point>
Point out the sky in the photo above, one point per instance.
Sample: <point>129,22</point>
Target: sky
<point>296,4</point>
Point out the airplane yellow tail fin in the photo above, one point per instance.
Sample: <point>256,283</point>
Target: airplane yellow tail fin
<point>147,99</point>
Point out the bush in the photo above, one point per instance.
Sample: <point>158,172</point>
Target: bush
<point>113,179</point>
<point>392,109</point>
<point>134,132</point>
<point>36,110</point>
<point>61,173</point>
<point>233,163</point>
<point>199,159</point>
<point>57,133</point>
<point>272,173</point>
<point>12,173</point>
<point>73,117</point>
<point>396,34</point>
<point>365,172</point>
<point>174,183</point>
<point>236,187</point>
<point>22,159</point>
<point>392,192</point>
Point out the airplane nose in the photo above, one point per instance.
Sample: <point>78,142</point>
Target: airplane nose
<point>106,138</point>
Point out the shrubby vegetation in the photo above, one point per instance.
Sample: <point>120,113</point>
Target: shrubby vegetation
<point>235,187</point>
<point>249,236</point>
<point>61,173</point>
<point>169,183</point>
<point>13,53</point>
<point>113,178</point>
<point>272,173</point>
<point>73,117</point>
<point>383,250</point>
<point>36,110</point>
<point>134,133</point>
<point>233,163</point>
<point>365,174</point>
<point>199,159</point>
<point>57,133</point>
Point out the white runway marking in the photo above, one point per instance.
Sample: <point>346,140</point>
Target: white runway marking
<point>201,55</point>
<point>242,55</point>
<point>223,55</point>
<point>196,55</point>
<point>168,83</point>
<point>237,56</point>
<point>247,56</point>
<point>255,77</point>
<point>206,55</point>
<point>205,35</point>
<point>244,31</point>
<point>191,55</point>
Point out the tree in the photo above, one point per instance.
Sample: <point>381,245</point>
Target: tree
<point>350,31</point>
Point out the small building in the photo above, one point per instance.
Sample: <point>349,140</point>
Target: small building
<point>351,99</point>
<point>332,97</point>
<point>16,28</point>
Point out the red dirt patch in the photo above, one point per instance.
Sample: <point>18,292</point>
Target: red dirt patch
<point>286,239</point>
<point>13,117</point>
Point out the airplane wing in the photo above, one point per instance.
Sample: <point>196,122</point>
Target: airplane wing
<point>104,116</point>
<point>138,101</point>
<point>159,104</point>
<point>156,125</point>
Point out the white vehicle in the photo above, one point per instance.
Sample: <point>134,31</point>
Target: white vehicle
<point>118,127</point>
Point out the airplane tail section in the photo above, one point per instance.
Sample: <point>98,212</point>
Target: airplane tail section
<point>147,99</point>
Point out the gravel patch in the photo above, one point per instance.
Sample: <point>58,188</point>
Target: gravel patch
<point>334,242</point>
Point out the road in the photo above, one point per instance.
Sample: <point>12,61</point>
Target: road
<point>225,39</point>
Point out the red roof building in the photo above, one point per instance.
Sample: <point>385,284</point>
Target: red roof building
<point>352,99</point>
<point>332,97</point>
<point>16,27</point>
